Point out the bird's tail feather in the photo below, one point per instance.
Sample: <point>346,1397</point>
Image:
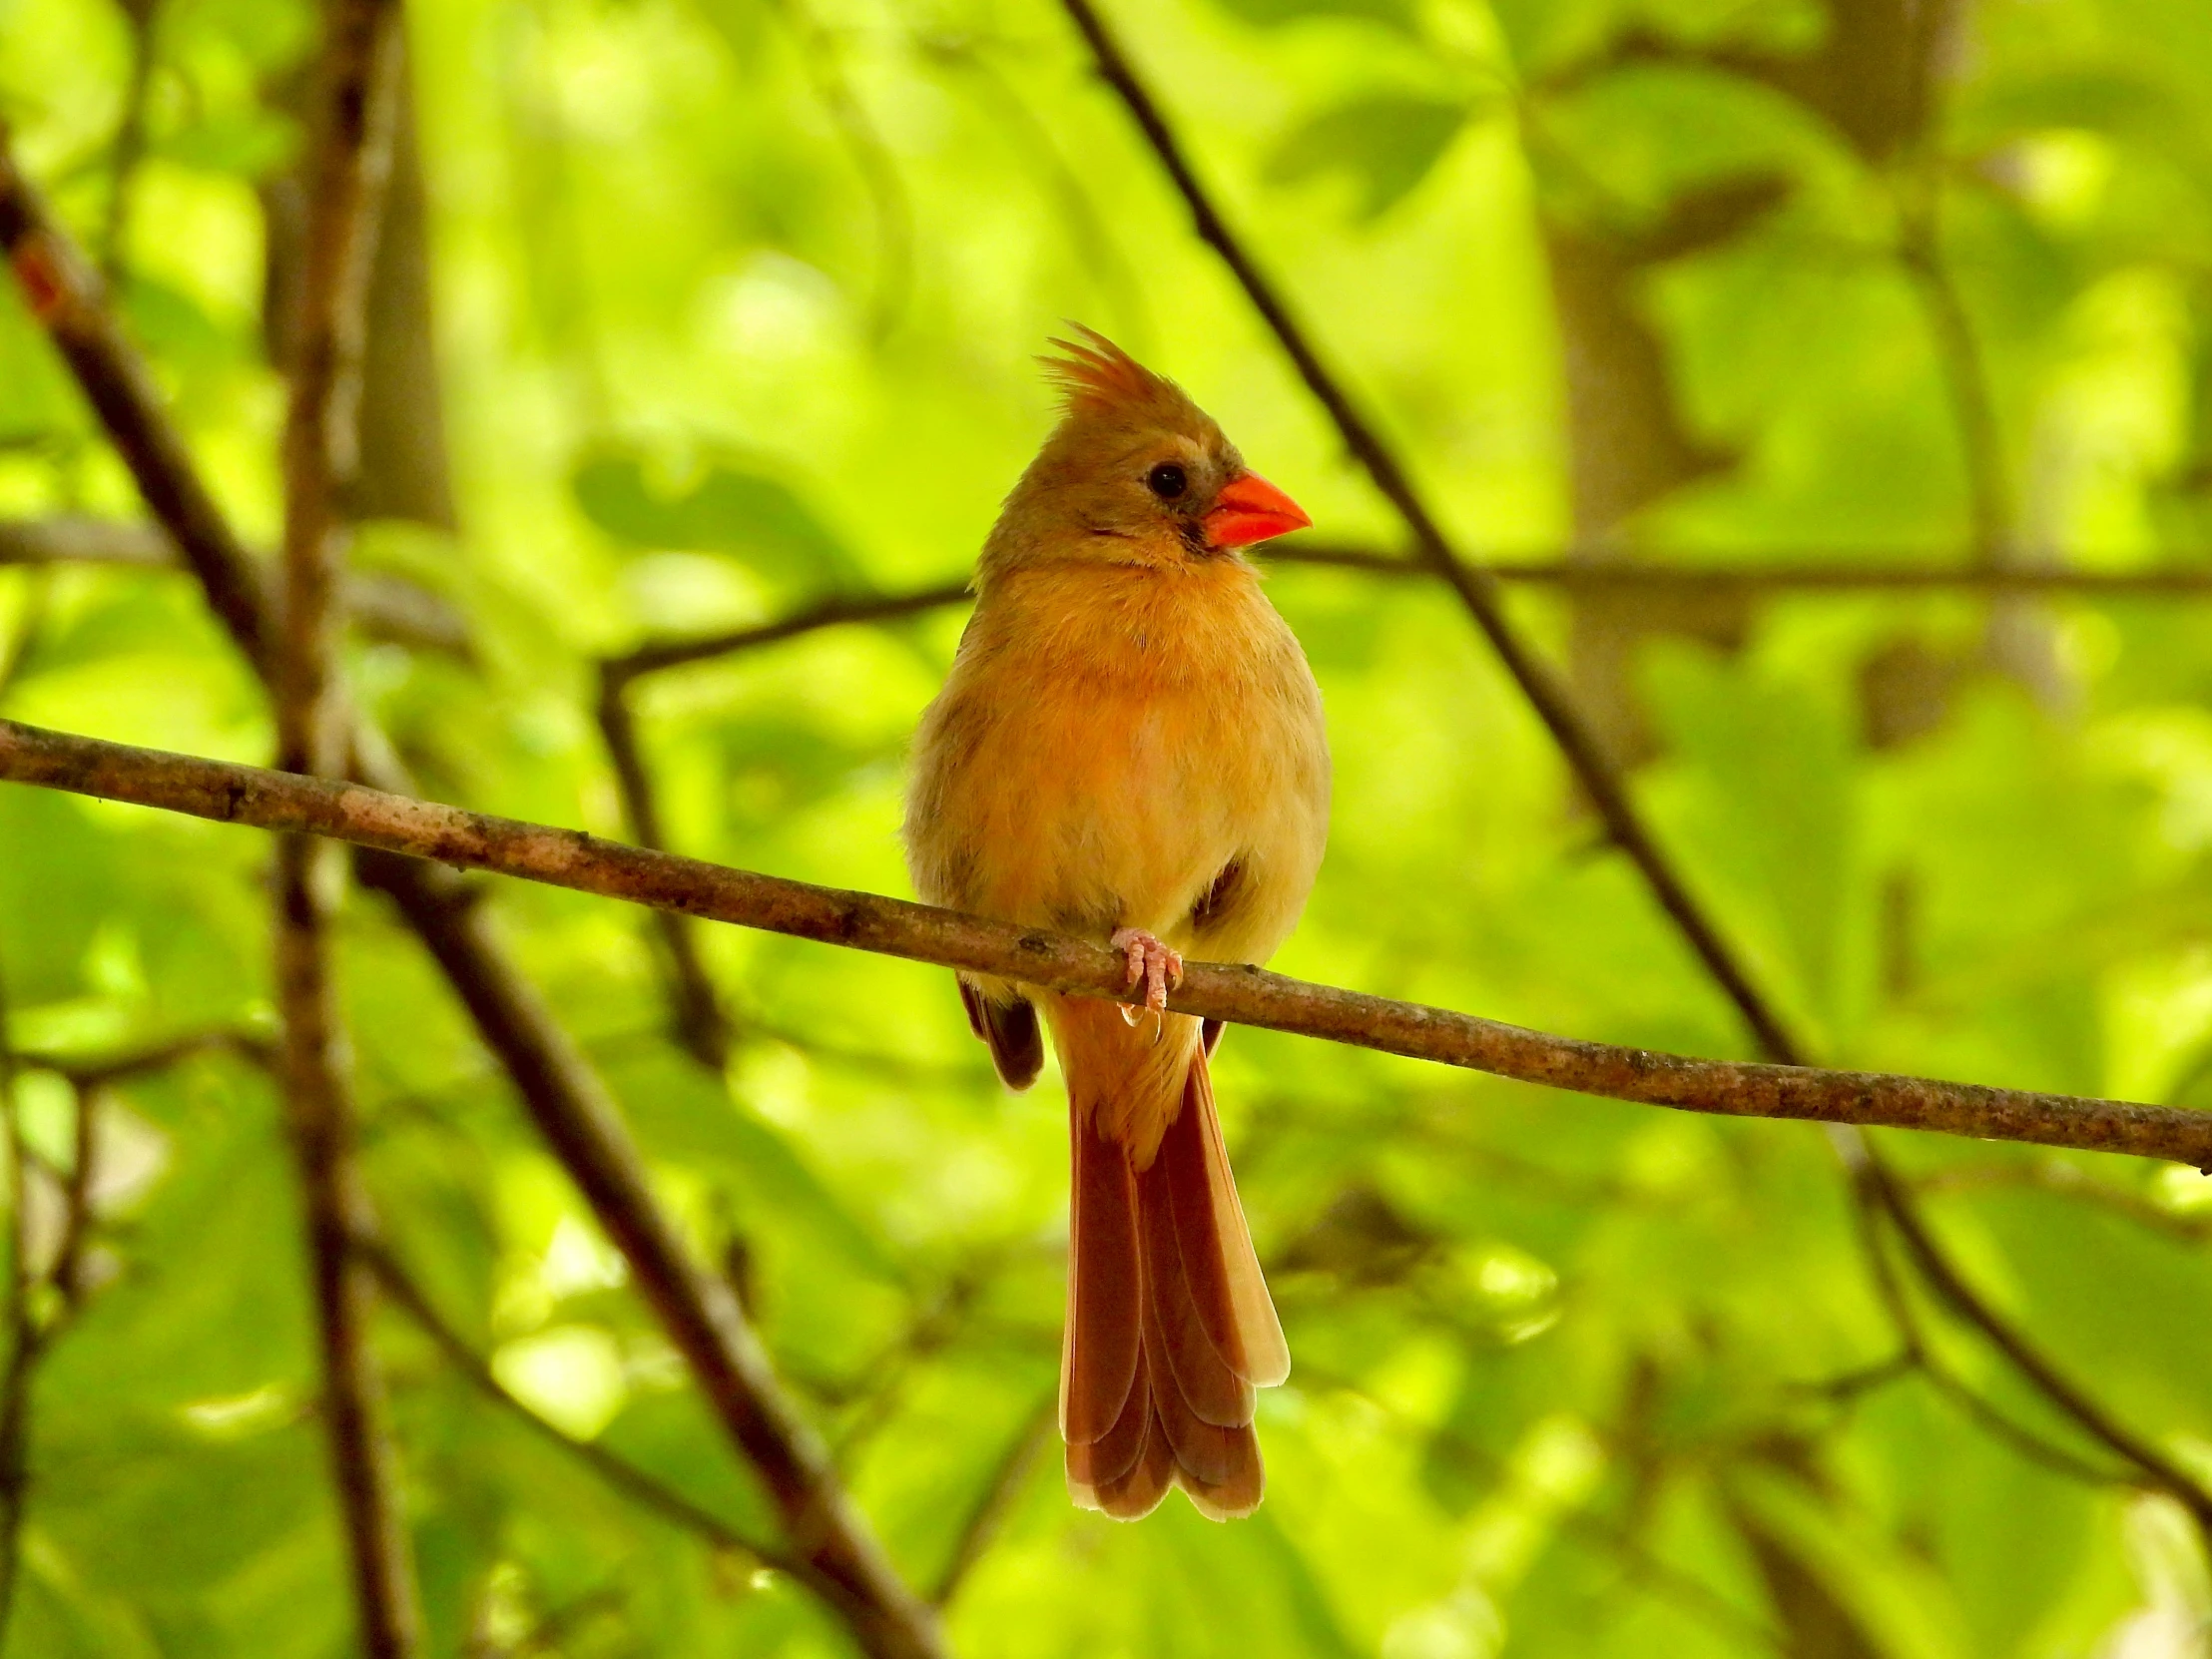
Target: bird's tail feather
<point>1170,1327</point>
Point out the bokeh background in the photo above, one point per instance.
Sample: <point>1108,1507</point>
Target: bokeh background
<point>694,313</point>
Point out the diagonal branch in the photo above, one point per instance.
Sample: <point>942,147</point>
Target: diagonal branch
<point>1592,767</point>
<point>356,94</point>
<point>700,1023</point>
<point>980,1531</point>
<point>623,1477</point>
<point>382,605</point>
<point>69,302</point>
<point>1477,589</point>
<point>1920,1357</point>
<point>396,824</point>
<point>839,1560</point>
<point>1952,1288</point>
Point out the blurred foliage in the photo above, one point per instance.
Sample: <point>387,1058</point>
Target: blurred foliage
<point>735,301</point>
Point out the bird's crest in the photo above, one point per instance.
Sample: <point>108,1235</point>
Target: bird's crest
<point>1093,373</point>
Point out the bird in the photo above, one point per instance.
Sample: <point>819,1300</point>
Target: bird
<point>1130,748</point>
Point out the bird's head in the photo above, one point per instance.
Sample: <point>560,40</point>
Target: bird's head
<point>1135,473</point>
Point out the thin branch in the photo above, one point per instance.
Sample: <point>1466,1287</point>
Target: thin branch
<point>656,654</point>
<point>2052,1175</point>
<point>1546,694</point>
<point>129,150</point>
<point>1941,1273</point>
<point>357,91</point>
<point>63,1285</point>
<point>1831,572</point>
<point>871,159</point>
<point>698,1021</point>
<point>123,1065</point>
<point>1243,995</point>
<point>839,1560</point>
<point>980,1531</point>
<point>382,605</point>
<point>623,1477</point>
<point>1653,1573</point>
<point>832,1551</point>
<point>1477,589</point>
<point>71,539</point>
<point>1967,380</point>
<point>22,1329</point>
<point>1781,571</point>
<point>1917,1357</point>
<point>68,301</point>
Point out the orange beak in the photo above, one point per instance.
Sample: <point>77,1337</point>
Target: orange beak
<point>1250,509</point>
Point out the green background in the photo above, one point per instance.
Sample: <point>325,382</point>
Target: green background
<point>734,304</point>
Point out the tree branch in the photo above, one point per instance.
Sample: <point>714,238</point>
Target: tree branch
<point>650,658</point>
<point>1477,592</point>
<point>697,1020</point>
<point>356,91</point>
<point>232,793</point>
<point>625,1478</point>
<point>67,299</point>
<point>383,606</point>
<point>1941,1273</point>
<point>839,1558</point>
<point>1919,1359</point>
<point>832,1551</point>
<point>980,1531</point>
<point>1477,589</point>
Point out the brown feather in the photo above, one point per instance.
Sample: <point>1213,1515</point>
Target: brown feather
<point>1010,1031</point>
<point>1099,1363</point>
<point>1094,373</point>
<point>1137,1493</point>
<point>1187,1291</point>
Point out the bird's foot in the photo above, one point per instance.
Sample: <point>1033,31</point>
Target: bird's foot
<point>1151,963</point>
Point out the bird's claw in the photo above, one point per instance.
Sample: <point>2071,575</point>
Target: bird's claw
<point>1151,963</point>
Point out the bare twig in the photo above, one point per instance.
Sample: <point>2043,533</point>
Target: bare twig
<point>831,1549</point>
<point>24,1338</point>
<point>1958,356</point>
<point>1944,1275</point>
<point>1477,589</point>
<point>2053,1175</point>
<point>1785,571</point>
<point>123,1065</point>
<point>625,1478</point>
<point>650,658</point>
<point>1919,1359</point>
<point>357,85</point>
<point>1592,766</point>
<point>1653,1573</point>
<point>70,539</point>
<point>380,605</point>
<point>1243,995</point>
<point>839,1560</point>
<point>33,1330</point>
<point>129,135</point>
<point>700,1023</point>
<point>980,1531</point>
<point>67,299</point>
<point>1830,573</point>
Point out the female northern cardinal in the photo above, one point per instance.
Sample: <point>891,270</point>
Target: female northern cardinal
<point>1130,747</point>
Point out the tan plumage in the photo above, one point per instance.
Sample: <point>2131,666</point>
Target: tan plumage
<point>1130,747</point>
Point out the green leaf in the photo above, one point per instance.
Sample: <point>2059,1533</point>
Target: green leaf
<point>729,509</point>
<point>1387,144</point>
<point>1397,14</point>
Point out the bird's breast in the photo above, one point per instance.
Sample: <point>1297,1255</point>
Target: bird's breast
<point>1101,758</point>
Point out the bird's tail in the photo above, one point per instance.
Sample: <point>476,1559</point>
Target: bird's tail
<point>1169,1328</point>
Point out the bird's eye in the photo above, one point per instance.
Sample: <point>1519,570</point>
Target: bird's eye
<point>1167,480</point>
